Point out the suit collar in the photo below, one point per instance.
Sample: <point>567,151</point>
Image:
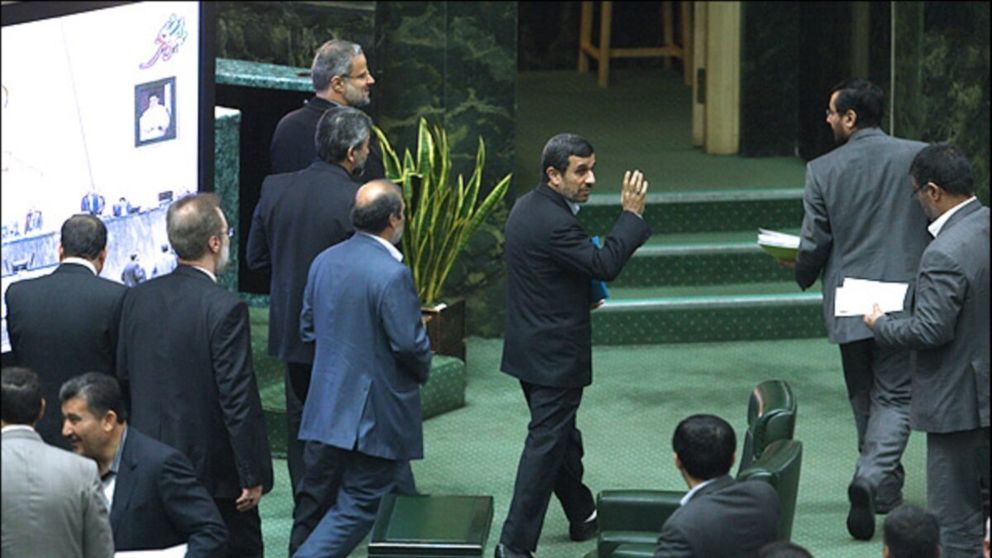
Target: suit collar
<point>866,133</point>
<point>319,165</point>
<point>548,192</point>
<point>382,242</point>
<point>191,271</point>
<point>21,432</point>
<point>124,485</point>
<point>76,265</point>
<point>954,215</point>
<point>320,104</point>
<point>714,485</point>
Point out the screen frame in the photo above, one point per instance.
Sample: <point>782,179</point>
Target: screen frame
<point>14,13</point>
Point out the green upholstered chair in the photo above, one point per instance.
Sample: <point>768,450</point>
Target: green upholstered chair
<point>779,466</point>
<point>431,526</point>
<point>636,516</point>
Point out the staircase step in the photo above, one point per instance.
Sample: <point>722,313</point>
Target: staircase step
<point>701,259</point>
<point>703,211</point>
<point>686,314</point>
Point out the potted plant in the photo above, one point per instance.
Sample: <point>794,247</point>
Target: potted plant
<point>441,216</point>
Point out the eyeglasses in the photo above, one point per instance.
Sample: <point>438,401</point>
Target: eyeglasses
<point>830,111</point>
<point>919,189</point>
<point>361,77</point>
<point>229,232</point>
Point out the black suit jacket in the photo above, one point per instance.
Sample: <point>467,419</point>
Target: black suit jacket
<point>725,518</point>
<point>158,502</point>
<point>62,325</point>
<point>298,215</point>
<point>293,147</point>
<point>550,264</point>
<point>185,353</point>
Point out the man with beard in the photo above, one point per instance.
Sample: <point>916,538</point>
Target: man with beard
<point>185,353</point>
<point>550,267</point>
<point>372,355</point>
<point>298,215</point>
<point>341,78</point>
<point>860,223</point>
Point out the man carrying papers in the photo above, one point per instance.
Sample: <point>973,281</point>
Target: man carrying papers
<point>860,223</point>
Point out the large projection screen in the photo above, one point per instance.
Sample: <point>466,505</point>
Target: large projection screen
<point>106,110</point>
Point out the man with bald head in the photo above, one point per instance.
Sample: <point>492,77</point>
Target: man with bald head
<point>372,355</point>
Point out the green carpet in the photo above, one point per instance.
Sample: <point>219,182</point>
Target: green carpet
<point>643,120</point>
<point>639,394</point>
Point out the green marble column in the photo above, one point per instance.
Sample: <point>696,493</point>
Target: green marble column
<point>907,104</point>
<point>226,171</point>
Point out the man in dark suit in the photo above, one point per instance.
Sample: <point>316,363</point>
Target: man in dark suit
<point>551,263</point>
<point>51,499</point>
<point>299,215</point>
<point>847,191</point>
<point>65,323</point>
<point>948,331</point>
<point>154,497</point>
<point>341,78</point>
<point>910,532</point>
<point>372,355</point>
<point>185,352</point>
<point>719,517</point>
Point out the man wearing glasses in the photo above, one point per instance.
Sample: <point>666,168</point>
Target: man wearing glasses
<point>860,223</point>
<point>185,355</point>
<point>341,78</point>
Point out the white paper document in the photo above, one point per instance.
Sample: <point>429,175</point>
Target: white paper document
<point>857,297</point>
<point>178,551</point>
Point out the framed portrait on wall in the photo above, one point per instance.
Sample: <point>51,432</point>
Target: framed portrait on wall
<point>155,111</point>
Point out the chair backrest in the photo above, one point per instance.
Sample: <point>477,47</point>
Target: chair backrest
<point>771,416</point>
<point>779,465</point>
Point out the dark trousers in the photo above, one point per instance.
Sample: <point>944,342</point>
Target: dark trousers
<point>957,472</point>
<point>318,489</point>
<point>364,480</point>
<point>551,463</point>
<point>879,389</point>
<point>244,530</point>
<point>297,384</point>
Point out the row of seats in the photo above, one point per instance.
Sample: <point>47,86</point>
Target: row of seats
<point>630,520</point>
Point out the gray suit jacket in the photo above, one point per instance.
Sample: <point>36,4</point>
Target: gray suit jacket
<point>725,518</point>
<point>53,505</point>
<point>861,221</point>
<point>949,327</point>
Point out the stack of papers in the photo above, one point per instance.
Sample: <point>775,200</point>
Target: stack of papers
<point>780,246</point>
<point>857,297</point>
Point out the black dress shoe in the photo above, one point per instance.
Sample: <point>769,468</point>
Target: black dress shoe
<point>583,531</point>
<point>503,551</point>
<point>861,518</point>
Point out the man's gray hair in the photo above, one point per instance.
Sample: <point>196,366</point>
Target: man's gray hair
<point>333,58</point>
<point>340,129</point>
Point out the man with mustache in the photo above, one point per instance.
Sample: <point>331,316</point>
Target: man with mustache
<point>341,78</point>
<point>298,215</point>
<point>185,353</point>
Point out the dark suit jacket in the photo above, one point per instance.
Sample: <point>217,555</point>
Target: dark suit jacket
<point>158,502</point>
<point>550,264</point>
<point>372,352</point>
<point>949,327</point>
<point>185,352</point>
<point>299,215</point>
<point>62,325</point>
<point>725,518</point>
<point>860,221</point>
<point>293,147</point>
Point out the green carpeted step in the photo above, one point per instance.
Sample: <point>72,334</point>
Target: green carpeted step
<point>711,258</point>
<point>686,314</point>
<point>705,211</point>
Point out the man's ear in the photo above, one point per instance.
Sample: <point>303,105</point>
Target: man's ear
<point>61,252</point>
<point>554,176</point>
